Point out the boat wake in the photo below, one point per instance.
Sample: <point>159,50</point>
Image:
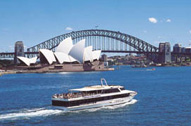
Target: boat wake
<point>30,113</point>
<point>26,114</point>
<point>84,72</point>
<point>133,101</point>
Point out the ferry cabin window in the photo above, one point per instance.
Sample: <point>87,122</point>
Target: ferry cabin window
<point>87,101</point>
<point>103,91</point>
<point>111,90</point>
<point>60,103</point>
<point>122,88</point>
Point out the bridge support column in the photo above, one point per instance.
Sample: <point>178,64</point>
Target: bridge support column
<point>19,50</point>
<point>165,53</point>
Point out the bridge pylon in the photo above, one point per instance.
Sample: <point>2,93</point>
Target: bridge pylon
<point>19,51</point>
<point>164,53</point>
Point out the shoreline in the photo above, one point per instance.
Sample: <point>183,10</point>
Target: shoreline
<point>56,68</point>
<point>51,71</point>
<point>8,72</point>
<point>167,65</point>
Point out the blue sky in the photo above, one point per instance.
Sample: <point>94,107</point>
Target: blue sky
<point>34,21</point>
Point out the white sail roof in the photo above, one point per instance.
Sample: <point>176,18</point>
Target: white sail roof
<point>27,61</point>
<point>96,54</point>
<point>49,55</point>
<point>62,57</point>
<point>72,59</point>
<point>33,60</point>
<point>88,54</point>
<point>65,46</point>
<point>77,51</point>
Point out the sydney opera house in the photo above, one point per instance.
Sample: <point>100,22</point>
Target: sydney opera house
<point>67,57</point>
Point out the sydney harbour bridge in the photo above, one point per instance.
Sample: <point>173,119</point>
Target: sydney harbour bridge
<point>105,40</point>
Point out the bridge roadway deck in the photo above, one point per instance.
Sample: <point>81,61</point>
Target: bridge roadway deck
<point>11,54</point>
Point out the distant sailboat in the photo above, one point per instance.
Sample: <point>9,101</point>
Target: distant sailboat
<point>153,69</point>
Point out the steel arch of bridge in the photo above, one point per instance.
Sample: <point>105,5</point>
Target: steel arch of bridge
<point>139,45</point>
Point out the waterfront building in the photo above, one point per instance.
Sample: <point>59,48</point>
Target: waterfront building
<point>96,54</point>
<point>88,56</point>
<point>64,58</point>
<point>187,49</point>
<point>65,46</point>
<point>65,52</point>
<point>27,61</point>
<point>47,56</point>
<point>177,48</point>
<point>77,51</point>
<point>183,49</point>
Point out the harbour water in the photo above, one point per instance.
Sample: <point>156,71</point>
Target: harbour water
<point>163,98</point>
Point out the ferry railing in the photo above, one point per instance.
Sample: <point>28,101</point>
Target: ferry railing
<point>103,80</point>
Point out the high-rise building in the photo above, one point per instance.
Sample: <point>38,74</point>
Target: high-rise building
<point>177,48</point>
<point>187,49</point>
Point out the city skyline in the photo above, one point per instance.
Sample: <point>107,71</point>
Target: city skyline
<point>36,21</point>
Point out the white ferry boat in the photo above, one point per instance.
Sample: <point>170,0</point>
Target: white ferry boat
<point>93,97</point>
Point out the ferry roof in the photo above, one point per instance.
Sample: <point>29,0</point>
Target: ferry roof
<point>96,87</point>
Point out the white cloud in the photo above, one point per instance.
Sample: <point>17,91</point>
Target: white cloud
<point>168,20</point>
<point>68,29</point>
<point>153,20</point>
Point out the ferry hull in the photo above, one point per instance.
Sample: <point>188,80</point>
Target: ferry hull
<point>100,104</point>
